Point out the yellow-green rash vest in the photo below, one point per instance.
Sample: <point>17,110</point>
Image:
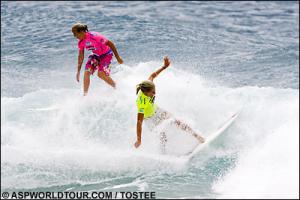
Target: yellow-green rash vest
<point>145,105</point>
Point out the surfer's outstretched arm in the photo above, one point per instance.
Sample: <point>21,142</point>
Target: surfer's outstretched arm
<point>115,51</point>
<point>157,72</point>
<point>140,118</point>
<point>188,129</point>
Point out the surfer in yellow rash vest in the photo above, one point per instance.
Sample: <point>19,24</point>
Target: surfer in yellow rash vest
<point>154,115</point>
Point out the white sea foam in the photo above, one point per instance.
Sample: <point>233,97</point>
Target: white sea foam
<point>59,130</point>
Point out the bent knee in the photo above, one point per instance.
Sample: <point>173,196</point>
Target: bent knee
<point>102,75</point>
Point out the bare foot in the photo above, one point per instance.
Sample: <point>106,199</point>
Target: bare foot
<point>199,138</point>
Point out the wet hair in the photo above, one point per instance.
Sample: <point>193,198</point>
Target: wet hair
<point>145,86</point>
<point>78,27</point>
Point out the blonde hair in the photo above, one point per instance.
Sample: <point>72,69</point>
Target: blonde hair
<point>78,27</point>
<point>145,86</point>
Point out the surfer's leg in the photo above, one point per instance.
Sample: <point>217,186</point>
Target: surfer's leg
<point>86,82</point>
<point>188,129</point>
<point>161,115</point>
<point>107,79</point>
<point>104,69</point>
<point>163,140</point>
<point>89,70</point>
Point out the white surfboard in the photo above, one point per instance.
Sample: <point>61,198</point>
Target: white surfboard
<point>211,137</point>
<point>44,109</point>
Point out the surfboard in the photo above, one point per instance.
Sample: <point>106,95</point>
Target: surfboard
<point>211,137</point>
<point>142,153</point>
<point>44,109</point>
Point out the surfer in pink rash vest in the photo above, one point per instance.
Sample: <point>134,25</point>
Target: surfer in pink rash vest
<point>102,53</point>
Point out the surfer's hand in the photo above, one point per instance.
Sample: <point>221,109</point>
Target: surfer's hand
<point>137,144</point>
<point>120,61</point>
<point>77,76</point>
<point>166,62</point>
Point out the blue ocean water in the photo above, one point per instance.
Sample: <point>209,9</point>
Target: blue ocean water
<point>224,56</point>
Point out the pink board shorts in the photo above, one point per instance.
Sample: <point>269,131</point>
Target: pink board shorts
<point>100,63</point>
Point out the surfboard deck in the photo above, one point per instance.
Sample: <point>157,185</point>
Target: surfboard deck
<point>211,137</point>
<point>186,157</point>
